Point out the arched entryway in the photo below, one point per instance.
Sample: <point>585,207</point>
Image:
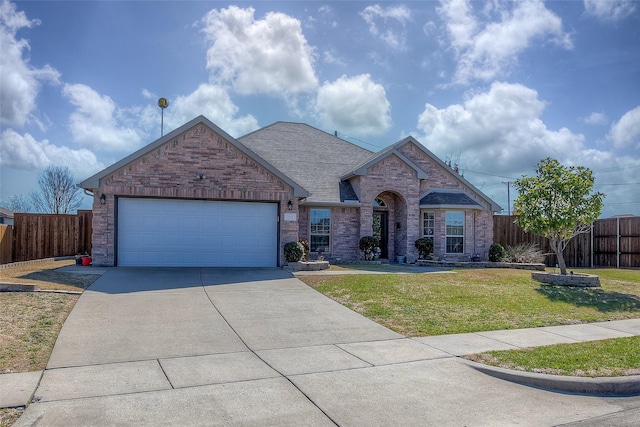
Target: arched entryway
<point>389,224</point>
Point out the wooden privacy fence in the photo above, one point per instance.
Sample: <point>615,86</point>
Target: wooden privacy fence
<point>613,242</point>
<point>6,242</point>
<point>38,236</point>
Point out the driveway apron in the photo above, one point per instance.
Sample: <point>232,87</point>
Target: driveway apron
<point>205,346</point>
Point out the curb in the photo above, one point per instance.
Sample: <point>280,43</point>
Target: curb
<point>602,386</point>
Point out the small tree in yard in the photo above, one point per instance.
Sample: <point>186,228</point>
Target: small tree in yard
<point>558,204</point>
<point>58,193</point>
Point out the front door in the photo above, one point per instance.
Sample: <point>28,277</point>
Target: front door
<point>381,231</point>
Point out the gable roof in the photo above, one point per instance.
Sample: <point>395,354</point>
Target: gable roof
<point>313,158</point>
<point>361,169</point>
<point>94,181</point>
<point>394,149</point>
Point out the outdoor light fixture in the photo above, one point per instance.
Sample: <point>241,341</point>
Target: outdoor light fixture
<point>201,176</point>
<point>103,199</point>
<point>289,205</point>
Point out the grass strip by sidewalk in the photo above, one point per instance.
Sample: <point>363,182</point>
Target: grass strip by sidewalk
<point>604,358</point>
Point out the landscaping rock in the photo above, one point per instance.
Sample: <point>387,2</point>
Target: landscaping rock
<point>577,280</point>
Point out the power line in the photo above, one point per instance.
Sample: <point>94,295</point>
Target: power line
<point>615,168</point>
<point>489,174</point>
<point>628,183</point>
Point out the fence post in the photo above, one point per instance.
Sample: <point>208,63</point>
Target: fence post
<point>618,243</point>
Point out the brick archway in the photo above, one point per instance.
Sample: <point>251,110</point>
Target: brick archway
<point>394,212</point>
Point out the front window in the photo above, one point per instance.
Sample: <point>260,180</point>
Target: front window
<point>320,230</point>
<point>455,232</point>
<point>428,224</point>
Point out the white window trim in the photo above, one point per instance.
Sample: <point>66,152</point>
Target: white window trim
<point>316,234</point>
<point>464,218</point>
<point>433,228</point>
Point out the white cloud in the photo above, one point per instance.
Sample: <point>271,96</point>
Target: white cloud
<point>20,82</point>
<point>147,94</point>
<point>596,119</point>
<point>266,56</point>
<point>97,123</point>
<point>609,10</point>
<point>500,134</point>
<point>330,56</point>
<point>25,153</point>
<point>394,36</point>
<point>354,105</point>
<point>501,128</point>
<point>486,50</point>
<point>460,22</point>
<point>213,102</point>
<point>626,131</point>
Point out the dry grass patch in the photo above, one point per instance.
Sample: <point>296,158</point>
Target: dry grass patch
<point>29,325</point>
<point>46,276</point>
<point>30,321</point>
<point>9,416</point>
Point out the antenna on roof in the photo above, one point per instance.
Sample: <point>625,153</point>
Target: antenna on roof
<point>335,133</point>
<point>162,103</point>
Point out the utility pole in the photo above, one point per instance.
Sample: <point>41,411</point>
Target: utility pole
<point>508,196</point>
<point>162,103</point>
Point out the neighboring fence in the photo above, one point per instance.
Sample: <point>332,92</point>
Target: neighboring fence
<point>6,243</point>
<point>613,242</point>
<point>38,236</point>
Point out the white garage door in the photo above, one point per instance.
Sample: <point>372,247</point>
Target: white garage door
<point>162,232</point>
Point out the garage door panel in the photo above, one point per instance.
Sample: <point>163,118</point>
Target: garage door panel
<point>154,232</point>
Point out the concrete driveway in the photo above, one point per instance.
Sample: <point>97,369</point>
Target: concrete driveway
<point>203,346</point>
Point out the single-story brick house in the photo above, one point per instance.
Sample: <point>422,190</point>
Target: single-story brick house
<point>199,197</point>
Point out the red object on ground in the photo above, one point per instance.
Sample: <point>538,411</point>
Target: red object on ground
<point>86,261</point>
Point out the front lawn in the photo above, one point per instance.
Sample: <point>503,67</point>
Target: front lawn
<point>480,300</point>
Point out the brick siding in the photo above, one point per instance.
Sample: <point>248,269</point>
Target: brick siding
<point>173,171</point>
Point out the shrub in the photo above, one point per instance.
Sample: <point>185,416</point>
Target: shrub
<point>367,245</point>
<point>424,246</point>
<point>527,253</point>
<point>293,251</point>
<point>496,253</point>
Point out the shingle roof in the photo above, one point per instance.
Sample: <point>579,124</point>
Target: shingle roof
<point>314,159</point>
<point>448,199</point>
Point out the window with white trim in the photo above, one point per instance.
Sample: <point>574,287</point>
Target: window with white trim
<point>428,224</point>
<point>455,232</point>
<point>319,230</point>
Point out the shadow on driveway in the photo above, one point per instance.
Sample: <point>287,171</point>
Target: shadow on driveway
<point>122,280</point>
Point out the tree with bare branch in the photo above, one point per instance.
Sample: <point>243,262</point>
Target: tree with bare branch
<point>58,193</point>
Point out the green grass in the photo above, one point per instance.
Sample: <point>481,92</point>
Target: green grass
<point>480,300</point>
<point>606,358</point>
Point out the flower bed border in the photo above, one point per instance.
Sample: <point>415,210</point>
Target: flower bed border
<point>575,280</point>
<point>479,264</point>
<point>307,266</point>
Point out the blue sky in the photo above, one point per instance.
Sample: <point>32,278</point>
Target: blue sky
<point>492,86</point>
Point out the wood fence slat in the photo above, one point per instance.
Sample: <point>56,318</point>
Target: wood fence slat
<point>38,236</point>
<point>6,244</point>
<point>608,241</point>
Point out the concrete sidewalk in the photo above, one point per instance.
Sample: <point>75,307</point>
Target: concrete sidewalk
<point>258,347</point>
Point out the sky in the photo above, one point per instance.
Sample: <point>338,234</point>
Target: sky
<point>493,86</point>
